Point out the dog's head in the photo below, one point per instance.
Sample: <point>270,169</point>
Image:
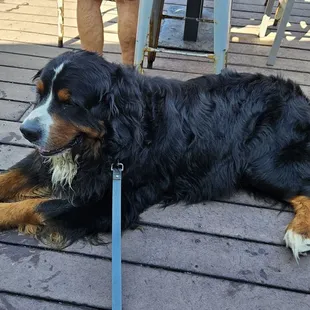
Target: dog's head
<point>71,90</point>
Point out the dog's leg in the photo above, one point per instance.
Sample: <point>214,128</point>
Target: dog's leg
<point>297,235</point>
<point>27,179</point>
<point>21,214</point>
<point>127,25</point>
<point>16,186</point>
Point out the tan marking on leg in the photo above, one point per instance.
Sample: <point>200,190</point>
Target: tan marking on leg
<point>20,213</point>
<point>297,235</point>
<point>15,186</point>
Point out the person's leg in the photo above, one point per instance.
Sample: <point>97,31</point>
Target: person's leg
<point>127,28</point>
<point>90,25</point>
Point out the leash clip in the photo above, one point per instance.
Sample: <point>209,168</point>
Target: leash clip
<point>119,165</point>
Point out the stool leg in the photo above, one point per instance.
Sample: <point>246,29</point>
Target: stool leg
<point>155,25</point>
<point>222,14</point>
<point>143,25</point>
<point>266,18</point>
<point>61,18</point>
<point>280,32</point>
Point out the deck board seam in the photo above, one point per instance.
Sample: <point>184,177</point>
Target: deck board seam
<point>174,269</point>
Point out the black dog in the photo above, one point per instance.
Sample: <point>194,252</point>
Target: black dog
<point>188,141</point>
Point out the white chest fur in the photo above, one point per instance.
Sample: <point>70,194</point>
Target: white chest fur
<point>63,169</point>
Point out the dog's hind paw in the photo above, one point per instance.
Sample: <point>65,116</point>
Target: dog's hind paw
<point>299,244</point>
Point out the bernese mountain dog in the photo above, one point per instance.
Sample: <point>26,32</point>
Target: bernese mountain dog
<point>179,141</point>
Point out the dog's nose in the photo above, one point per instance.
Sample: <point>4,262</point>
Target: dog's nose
<point>31,130</point>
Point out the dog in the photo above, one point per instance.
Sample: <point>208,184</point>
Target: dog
<point>179,141</point>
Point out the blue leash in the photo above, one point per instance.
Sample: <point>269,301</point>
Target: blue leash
<point>117,237</point>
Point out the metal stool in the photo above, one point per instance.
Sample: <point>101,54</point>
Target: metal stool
<point>146,27</point>
<point>282,14</point>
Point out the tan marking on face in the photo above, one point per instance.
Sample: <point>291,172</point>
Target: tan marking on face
<point>61,133</point>
<point>40,86</point>
<point>63,95</point>
<point>90,132</point>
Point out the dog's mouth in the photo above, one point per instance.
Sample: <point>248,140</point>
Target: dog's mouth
<point>48,153</point>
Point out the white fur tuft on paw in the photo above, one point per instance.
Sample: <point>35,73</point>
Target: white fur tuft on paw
<point>297,243</point>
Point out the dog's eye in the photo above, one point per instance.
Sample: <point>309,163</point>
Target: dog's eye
<point>64,95</point>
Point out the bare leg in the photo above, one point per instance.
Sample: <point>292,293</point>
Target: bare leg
<point>127,28</point>
<point>90,25</point>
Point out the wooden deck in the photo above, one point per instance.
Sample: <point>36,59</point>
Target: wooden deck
<point>221,255</point>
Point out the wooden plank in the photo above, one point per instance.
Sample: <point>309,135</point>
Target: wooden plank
<point>46,274</point>
<point>165,62</point>
<point>50,20</point>
<point>10,133</point>
<point>245,199</point>
<point>189,66</point>
<point>10,155</point>
<point>288,41</point>
<point>70,5</point>
<point>238,221</point>
<point>12,110</point>
<point>258,61</point>
<point>298,77</point>
<point>207,255</point>
<point>258,16</point>
<point>43,11</point>
<point>31,49</point>
<point>253,30</point>
<point>256,6</point>
<point>247,11</point>
<point>28,62</point>
<point>221,219</point>
<point>205,67</point>
<point>15,302</point>
<point>36,63</point>
<point>25,37</point>
<point>17,92</point>
<point>261,50</point>
<point>255,23</point>
<point>37,28</point>
<point>16,75</point>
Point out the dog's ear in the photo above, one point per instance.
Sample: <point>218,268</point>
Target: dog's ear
<point>37,75</point>
<point>107,107</point>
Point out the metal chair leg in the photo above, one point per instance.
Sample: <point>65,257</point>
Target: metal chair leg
<point>280,32</point>
<point>266,18</point>
<point>143,25</point>
<point>155,25</point>
<point>222,14</point>
<point>61,18</point>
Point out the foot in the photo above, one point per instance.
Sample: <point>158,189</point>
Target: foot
<point>297,235</point>
<point>299,244</point>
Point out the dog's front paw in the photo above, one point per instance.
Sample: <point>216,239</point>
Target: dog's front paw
<point>299,243</point>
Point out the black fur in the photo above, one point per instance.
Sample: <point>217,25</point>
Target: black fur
<point>192,141</point>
